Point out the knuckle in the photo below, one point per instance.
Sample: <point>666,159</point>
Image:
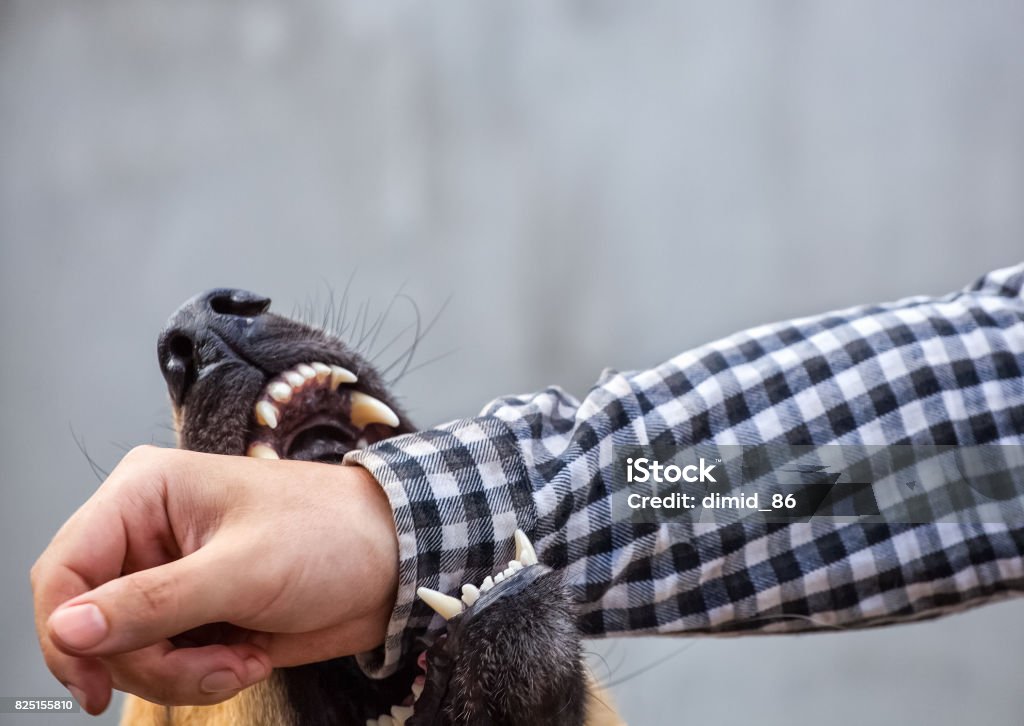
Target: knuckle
<point>154,595</point>
<point>140,467</point>
<point>140,454</point>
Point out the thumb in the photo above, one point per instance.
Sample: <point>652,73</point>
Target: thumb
<point>145,607</point>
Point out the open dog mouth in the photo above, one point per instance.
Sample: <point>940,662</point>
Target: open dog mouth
<point>313,412</point>
<point>430,688</point>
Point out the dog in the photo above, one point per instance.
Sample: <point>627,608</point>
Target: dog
<point>247,382</point>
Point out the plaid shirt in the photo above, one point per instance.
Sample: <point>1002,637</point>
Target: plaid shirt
<point>922,370</point>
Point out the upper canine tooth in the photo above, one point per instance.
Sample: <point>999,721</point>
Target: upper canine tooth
<point>261,451</point>
<point>322,371</point>
<point>470,594</point>
<point>444,605</point>
<point>341,375</point>
<point>266,414</point>
<point>366,410</point>
<point>306,371</point>
<point>280,391</point>
<point>524,549</point>
<point>294,379</point>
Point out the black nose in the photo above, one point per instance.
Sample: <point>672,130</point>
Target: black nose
<point>201,332</point>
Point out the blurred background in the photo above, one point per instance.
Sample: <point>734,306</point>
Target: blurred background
<point>588,183</point>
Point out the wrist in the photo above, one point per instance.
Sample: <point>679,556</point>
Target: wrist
<point>376,521</point>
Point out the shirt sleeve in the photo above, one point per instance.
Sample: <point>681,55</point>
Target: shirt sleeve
<point>922,370</point>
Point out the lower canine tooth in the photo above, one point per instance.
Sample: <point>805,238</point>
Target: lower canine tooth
<point>341,375</point>
<point>366,409</point>
<point>524,549</point>
<point>280,392</point>
<point>261,451</point>
<point>266,414</point>
<point>444,605</point>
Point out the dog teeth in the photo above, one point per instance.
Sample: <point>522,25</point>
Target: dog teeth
<point>417,687</point>
<point>401,714</point>
<point>341,375</point>
<point>366,409</point>
<point>280,391</point>
<point>444,605</point>
<point>295,380</point>
<point>524,549</point>
<point>525,556</point>
<point>266,414</point>
<point>385,720</point>
<point>261,451</point>
<point>306,371</point>
<point>470,594</point>
<point>323,372</point>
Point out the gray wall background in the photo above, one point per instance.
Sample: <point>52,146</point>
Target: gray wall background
<point>591,183</point>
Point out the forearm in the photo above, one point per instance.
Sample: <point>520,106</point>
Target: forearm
<point>919,371</point>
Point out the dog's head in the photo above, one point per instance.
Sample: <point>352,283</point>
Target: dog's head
<point>244,381</point>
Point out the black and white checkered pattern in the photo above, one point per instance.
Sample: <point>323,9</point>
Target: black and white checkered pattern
<point>919,371</point>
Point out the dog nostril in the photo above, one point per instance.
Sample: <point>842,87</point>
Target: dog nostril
<point>240,303</point>
<point>178,364</point>
<point>180,347</point>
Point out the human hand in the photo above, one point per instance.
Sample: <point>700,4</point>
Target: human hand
<point>254,563</point>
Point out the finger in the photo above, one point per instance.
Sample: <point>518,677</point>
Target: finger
<point>88,550</point>
<point>354,636</point>
<point>87,679</point>
<point>196,676</point>
<point>146,607</point>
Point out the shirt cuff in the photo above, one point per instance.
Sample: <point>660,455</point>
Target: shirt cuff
<point>458,493</point>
